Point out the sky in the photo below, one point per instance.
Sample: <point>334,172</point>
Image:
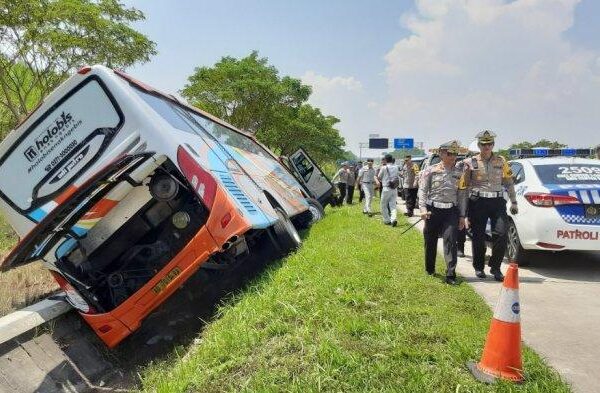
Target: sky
<point>431,70</point>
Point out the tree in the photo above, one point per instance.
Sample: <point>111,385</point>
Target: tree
<point>350,156</point>
<point>43,41</point>
<point>247,93</point>
<point>540,143</point>
<point>307,128</point>
<point>530,145</point>
<point>250,94</point>
<point>401,153</point>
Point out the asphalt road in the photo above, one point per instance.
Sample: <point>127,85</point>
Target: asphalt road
<point>560,309</point>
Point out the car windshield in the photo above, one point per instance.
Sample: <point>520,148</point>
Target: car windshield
<point>568,173</point>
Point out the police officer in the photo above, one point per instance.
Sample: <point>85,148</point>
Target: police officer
<point>340,179</point>
<point>389,180</point>
<point>409,173</point>
<point>361,193</point>
<point>440,204</point>
<point>484,177</point>
<point>350,183</point>
<point>366,180</point>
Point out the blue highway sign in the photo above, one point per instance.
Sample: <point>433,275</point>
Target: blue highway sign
<point>404,143</point>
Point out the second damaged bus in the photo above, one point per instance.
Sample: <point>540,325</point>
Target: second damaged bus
<point>124,192</point>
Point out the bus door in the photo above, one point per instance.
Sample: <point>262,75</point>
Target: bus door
<point>311,175</point>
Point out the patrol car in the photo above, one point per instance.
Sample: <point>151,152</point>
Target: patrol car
<point>559,206</point>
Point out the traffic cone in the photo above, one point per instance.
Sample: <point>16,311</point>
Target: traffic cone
<point>502,352</point>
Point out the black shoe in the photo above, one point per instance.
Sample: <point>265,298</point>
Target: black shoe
<point>370,214</point>
<point>451,281</point>
<point>480,274</point>
<point>408,214</point>
<point>394,223</point>
<point>460,254</point>
<point>387,223</point>
<point>364,212</point>
<point>498,276</point>
<point>430,273</point>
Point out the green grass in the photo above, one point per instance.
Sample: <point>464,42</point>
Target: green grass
<point>8,237</point>
<point>24,285</point>
<point>352,310</point>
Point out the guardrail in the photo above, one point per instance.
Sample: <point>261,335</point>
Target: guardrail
<point>25,319</point>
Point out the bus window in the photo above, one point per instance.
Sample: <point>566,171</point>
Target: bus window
<point>166,110</point>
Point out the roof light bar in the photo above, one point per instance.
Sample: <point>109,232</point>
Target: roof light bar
<point>547,152</point>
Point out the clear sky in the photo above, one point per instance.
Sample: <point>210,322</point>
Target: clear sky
<point>433,70</point>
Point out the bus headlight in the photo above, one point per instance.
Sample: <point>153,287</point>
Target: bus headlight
<point>180,220</point>
<point>163,188</point>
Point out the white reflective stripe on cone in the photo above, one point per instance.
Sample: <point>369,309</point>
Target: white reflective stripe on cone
<point>508,308</point>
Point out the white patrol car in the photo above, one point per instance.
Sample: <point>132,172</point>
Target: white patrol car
<point>559,206</point>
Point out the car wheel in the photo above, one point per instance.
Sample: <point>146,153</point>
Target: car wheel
<point>283,233</point>
<point>514,251</point>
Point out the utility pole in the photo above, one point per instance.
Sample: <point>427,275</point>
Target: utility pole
<point>361,145</point>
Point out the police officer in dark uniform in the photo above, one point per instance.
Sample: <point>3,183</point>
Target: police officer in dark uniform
<point>409,172</point>
<point>484,178</point>
<point>440,204</point>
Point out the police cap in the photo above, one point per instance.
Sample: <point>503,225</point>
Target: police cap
<point>485,136</point>
<point>452,147</point>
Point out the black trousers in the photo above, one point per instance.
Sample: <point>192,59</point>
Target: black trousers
<point>461,238</point>
<point>444,222</point>
<point>342,189</point>
<point>410,194</point>
<point>349,194</point>
<point>480,210</point>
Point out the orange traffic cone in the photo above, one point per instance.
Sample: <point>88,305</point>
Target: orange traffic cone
<point>502,353</point>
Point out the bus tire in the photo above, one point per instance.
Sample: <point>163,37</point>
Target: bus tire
<point>316,209</point>
<point>283,233</point>
<point>314,213</point>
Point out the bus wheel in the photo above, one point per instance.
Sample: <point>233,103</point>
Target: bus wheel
<point>316,210</point>
<point>283,234</point>
<point>314,213</point>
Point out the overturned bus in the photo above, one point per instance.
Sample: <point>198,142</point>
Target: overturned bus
<point>124,192</point>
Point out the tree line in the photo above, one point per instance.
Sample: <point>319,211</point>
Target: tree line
<point>45,41</point>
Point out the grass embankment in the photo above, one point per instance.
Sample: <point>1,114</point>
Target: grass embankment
<point>24,285</point>
<point>352,310</point>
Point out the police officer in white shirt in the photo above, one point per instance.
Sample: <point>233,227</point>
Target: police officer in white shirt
<point>441,203</point>
<point>366,180</point>
<point>389,180</point>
